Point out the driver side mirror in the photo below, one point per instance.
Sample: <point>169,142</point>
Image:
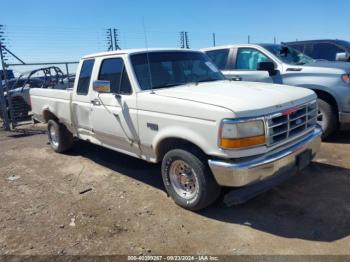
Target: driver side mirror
<point>102,86</point>
<point>267,66</point>
<point>342,56</point>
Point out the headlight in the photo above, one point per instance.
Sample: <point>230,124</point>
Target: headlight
<point>345,78</point>
<point>241,135</point>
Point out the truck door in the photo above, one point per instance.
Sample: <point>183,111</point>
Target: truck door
<point>81,105</point>
<point>114,114</point>
<point>245,66</point>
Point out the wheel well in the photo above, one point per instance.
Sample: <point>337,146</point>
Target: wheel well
<point>328,98</point>
<point>47,115</point>
<point>170,143</point>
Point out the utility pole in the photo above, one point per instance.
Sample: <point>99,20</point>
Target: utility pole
<point>248,39</point>
<point>112,39</point>
<point>3,107</point>
<point>187,42</point>
<point>184,40</point>
<point>274,40</point>
<point>214,40</point>
<point>109,39</point>
<point>2,97</point>
<point>116,39</point>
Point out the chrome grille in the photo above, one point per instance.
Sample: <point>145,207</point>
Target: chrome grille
<point>293,122</point>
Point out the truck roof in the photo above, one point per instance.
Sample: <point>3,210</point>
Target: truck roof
<point>135,51</point>
<point>229,46</point>
<point>313,41</point>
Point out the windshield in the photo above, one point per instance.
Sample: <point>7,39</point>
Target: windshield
<point>289,55</point>
<point>166,69</point>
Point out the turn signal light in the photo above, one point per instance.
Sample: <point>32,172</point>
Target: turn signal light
<point>345,78</point>
<point>227,143</point>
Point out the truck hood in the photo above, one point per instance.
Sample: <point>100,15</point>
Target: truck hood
<point>245,99</point>
<point>331,65</point>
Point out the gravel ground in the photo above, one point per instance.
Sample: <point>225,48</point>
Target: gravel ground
<point>94,201</point>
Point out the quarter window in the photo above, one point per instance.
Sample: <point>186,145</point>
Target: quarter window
<point>85,76</point>
<point>113,70</point>
<point>249,58</point>
<point>219,57</point>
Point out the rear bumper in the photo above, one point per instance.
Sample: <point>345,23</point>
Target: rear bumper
<point>236,174</point>
<point>344,117</point>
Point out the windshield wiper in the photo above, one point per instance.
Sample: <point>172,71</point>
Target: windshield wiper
<point>165,85</point>
<point>208,80</point>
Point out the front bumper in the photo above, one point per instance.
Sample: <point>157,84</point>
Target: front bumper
<point>344,118</point>
<point>236,174</point>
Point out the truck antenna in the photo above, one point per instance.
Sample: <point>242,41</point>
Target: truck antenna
<point>147,55</point>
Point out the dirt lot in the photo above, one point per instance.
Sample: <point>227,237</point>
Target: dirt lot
<point>128,212</point>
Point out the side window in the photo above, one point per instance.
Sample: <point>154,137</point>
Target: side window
<point>84,77</point>
<point>248,58</point>
<point>219,57</point>
<point>113,70</point>
<point>325,51</point>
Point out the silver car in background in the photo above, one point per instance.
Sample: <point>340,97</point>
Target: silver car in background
<point>279,64</point>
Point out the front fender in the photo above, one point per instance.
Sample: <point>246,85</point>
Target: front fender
<point>324,89</point>
<point>202,140</point>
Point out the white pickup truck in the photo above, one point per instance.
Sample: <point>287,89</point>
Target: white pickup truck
<point>175,107</point>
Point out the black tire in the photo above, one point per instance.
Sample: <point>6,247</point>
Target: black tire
<point>327,118</point>
<point>207,190</point>
<point>63,139</point>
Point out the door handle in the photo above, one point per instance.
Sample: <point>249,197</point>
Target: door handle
<point>236,78</point>
<point>95,102</point>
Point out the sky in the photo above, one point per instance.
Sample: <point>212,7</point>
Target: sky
<point>39,31</point>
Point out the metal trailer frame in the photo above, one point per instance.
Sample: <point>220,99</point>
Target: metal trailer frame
<point>7,108</point>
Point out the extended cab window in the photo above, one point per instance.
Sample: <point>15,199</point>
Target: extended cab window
<point>219,57</point>
<point>85,76</point>
<point>248,59</point>
<point>113,70</point>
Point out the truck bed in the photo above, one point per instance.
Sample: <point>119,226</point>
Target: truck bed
<point>54,100</point>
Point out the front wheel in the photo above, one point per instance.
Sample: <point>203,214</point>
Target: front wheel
<point>326,118</point>
<point>188,179</point>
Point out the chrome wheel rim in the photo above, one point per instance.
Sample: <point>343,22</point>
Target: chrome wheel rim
<point>320,119</point>
<point>183,179</point>
<point>53,136</point>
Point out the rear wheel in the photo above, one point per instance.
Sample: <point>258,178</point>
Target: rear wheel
<point>188,179</point>
<point>327,118</point>
<point>60,138</point>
